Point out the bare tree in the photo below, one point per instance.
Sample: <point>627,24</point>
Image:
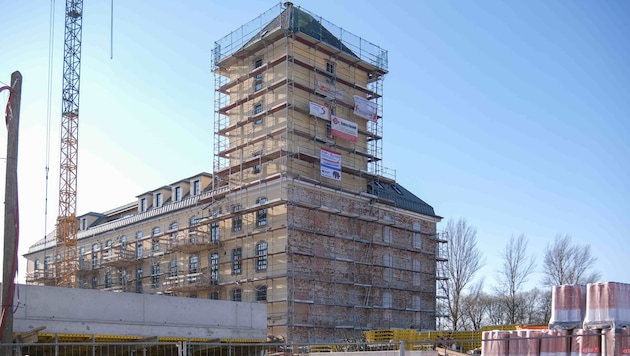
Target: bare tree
<point>517,266</point>
<point>464,260</point>
<point>566,262</point>
<point>474,307</point>
<point>497,313</point>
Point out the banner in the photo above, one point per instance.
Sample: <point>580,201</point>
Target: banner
<point>343,128</point>
<point>319,110</point>
<point>328,90</point>
<point>330,163</point>
<point>365,108</point>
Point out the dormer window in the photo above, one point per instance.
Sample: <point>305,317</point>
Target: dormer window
<point>143,204</point>
<point>158,200</point>
<point>83,224</point>
<point>196,187</point>
<point>178,193</point>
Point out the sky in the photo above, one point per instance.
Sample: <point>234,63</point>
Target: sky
<point>514,115</point>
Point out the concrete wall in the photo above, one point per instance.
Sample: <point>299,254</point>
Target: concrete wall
<point>80,311</point>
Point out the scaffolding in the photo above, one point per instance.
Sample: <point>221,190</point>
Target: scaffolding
<point>331,256</point>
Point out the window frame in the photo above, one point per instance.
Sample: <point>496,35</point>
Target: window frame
<point>237,220</point>
<point>261,214</point>
<point>237,260</point>
<point>262,254</point>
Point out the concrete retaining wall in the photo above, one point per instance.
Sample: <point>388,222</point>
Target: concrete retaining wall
<point>81,311</point>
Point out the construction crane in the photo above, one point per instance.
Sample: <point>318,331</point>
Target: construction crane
<point>67,261</point>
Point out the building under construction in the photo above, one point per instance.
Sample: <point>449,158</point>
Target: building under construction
<point>298,213</point>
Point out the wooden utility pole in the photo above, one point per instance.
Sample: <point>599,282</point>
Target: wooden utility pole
<point>11,217</point>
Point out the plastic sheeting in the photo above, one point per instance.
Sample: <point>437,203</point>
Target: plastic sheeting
<point>585,343</point>
<point>568,305</point>
<point>554,343</point>
<point>607,303</point>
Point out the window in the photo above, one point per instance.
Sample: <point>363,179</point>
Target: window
<point>94,282</point>
<point>46,266</point>
<point>330,67</point>
<point>173,228</point>
<point>193,268</point>
<point>396,189</point>
<point>155,239</point>
<point>214,268</point>
<point>196,187</point>
<point>261,214</point>
<point>36,268</point>
<point>237,220</point>
<point>214,296</point>
<point>123,246</point>
<point>83,223</point>
<point>258,110</point>
<point>387,270</point>
<point>81,257</point>
<point>155,275</point>
<point>417,235</point>
<point>329,130</point>
<point>214,231</point>
<point>236,295</point>
<point>82,283</point>
<point>258,165</point>
<point>416,303</point>
<point>237,254</point>
<point>261,256</point>
<point>387,303</point>
<point>173,269</point>
<point>139,244</point>
<point>108,249</point>
<point>139,280</point>
<point>387,300</point>
<point>192,233</point>
<point>94,256</point>
<point>108,280</point>
<point>258,78</point>
<point>178,193</point>
<point>143,205</point>
<point>158,200</point>
<point>387,234</point>
<point>417,268</point>
<point>123,277</point>
<point>261,293</point>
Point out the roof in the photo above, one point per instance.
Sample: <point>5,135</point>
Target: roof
<point>302,21</point>
<point>401,197</point>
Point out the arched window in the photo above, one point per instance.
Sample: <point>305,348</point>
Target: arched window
<point>173,229</point>
<point>155,240</point>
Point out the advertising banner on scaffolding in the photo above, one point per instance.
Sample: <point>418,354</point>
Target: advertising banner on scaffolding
<point>365,108</point>
<point>319,110</point>
<point>329,90</point>
<point>330,162</point>
<point>343,128</point>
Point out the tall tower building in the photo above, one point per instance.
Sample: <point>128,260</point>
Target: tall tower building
<point>298,132</point>
<point>299,212</point>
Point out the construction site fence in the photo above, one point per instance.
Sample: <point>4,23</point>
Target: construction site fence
<point>525,346</point>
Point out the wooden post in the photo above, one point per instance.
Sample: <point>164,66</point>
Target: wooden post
<point>11,210</point>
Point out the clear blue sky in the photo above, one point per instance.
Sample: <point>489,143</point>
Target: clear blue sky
<point>512,114</point>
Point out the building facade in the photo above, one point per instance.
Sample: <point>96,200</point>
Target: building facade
<point>299,212</point>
